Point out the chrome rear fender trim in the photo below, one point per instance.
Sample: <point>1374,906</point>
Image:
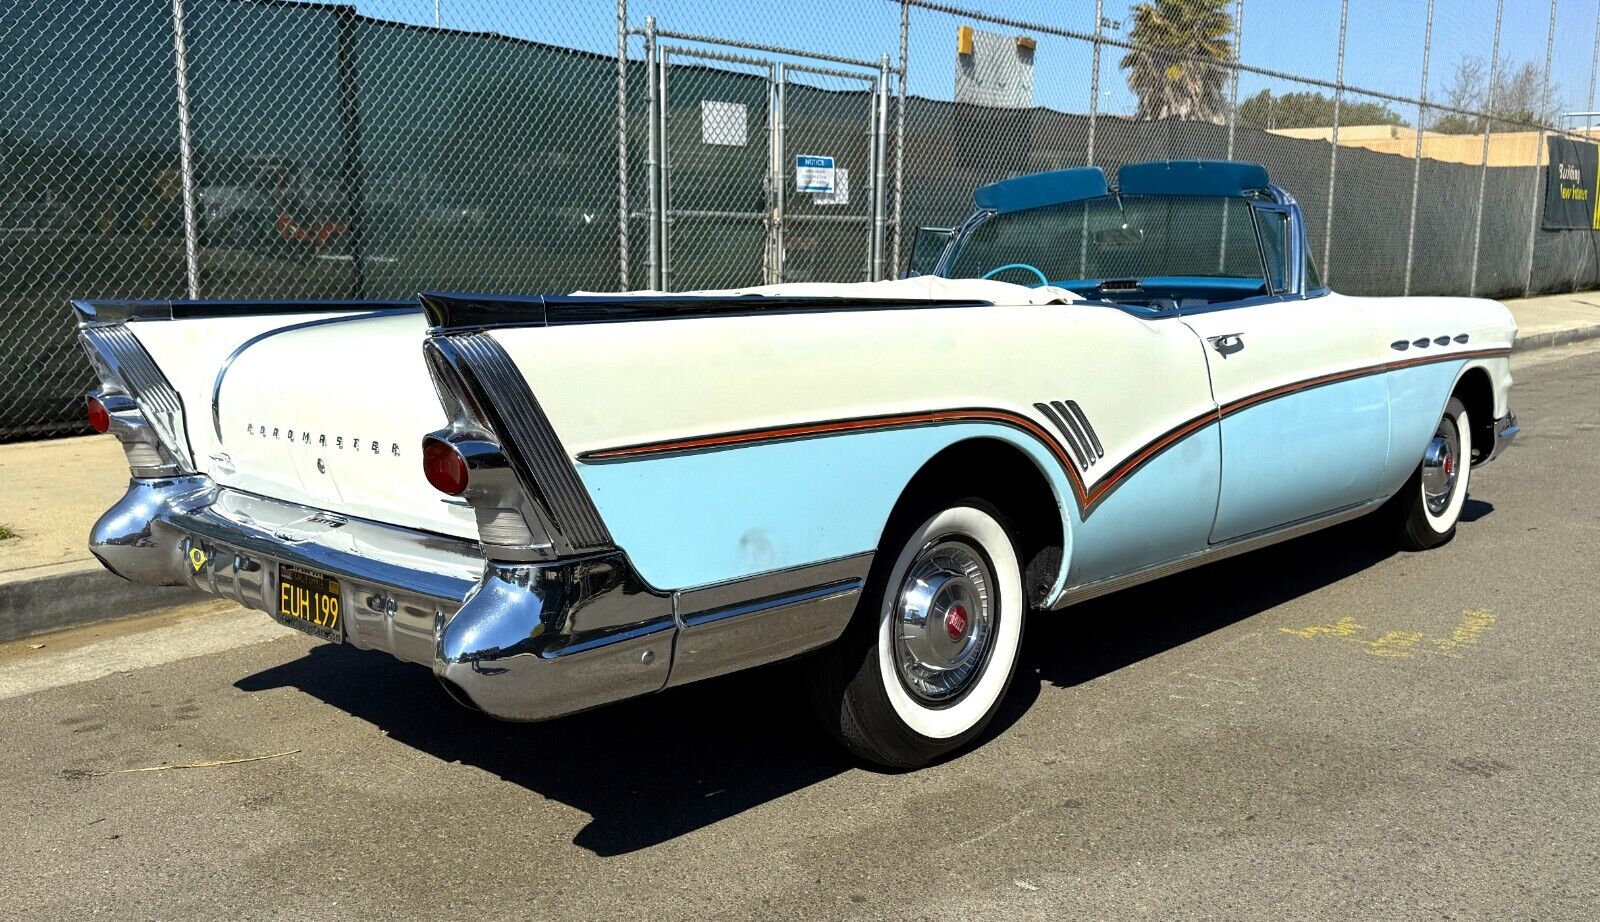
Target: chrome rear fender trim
<point>763,619</point>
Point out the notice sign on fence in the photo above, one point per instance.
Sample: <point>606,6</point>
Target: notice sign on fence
<point>813,173</point>
<point>1569,186</point>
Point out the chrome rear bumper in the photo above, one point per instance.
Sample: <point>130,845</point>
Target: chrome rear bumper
<point>519,641</point>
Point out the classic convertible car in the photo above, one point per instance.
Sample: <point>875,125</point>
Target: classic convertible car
<point>557,502</point>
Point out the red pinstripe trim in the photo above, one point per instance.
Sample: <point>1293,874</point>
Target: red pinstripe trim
<point>1284,390</point>
<point>1087,498</point>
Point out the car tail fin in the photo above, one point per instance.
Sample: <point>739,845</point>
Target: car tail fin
<point>521,482</point>
<point>142,408</point>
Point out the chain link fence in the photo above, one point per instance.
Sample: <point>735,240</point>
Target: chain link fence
<point>284,149</point>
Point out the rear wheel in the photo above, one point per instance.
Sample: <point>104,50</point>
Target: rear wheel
<point>928,659</point>
<point>1425,511</point>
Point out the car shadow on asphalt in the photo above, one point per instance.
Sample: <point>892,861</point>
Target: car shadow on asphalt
<point>654,768</point>
<point>1106,634</point>
<point>646,770</point>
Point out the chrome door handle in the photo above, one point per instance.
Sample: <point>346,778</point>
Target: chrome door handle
<point>1226,343</point>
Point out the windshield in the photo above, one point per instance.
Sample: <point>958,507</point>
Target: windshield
<point>1117,237</point>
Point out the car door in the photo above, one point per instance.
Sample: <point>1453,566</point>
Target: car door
<point>1304,420</point>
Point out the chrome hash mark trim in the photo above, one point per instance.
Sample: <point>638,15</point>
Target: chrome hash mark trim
<point>1088,429</point>
<point>1078,453</point>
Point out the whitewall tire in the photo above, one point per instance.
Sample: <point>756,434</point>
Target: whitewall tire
<point>1427,508</point>
<point>929,658</point>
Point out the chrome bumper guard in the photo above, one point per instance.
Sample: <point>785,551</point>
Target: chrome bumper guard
<point>518,641</point>
<point>1505,429</point>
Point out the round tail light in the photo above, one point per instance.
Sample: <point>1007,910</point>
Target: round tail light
<point>444,467</point>
<point>99,417</point>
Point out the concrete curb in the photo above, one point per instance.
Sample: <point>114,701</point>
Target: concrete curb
<point>80,595</point>
<point>1546,340</point>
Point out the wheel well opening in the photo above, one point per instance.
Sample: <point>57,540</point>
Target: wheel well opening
<point>1005,476</point>
<point>1477,395</point>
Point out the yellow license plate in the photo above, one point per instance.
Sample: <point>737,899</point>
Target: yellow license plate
<point>310,601</point>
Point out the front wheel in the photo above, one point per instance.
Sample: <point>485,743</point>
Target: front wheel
<point>928,659</point>
<point>1426,509</point>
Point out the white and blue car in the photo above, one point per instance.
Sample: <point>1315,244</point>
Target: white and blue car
<point>557,502</point>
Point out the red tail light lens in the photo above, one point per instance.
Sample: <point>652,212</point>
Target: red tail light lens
<point>99,417</point>
<point>444,467</point>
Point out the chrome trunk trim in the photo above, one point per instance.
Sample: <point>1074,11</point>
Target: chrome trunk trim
<point>227,363</point>
<point>99,312</point>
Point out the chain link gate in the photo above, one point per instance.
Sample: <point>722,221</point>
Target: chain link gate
<point>723,132</point>
<point>715,175</point>
<point>823,237</point>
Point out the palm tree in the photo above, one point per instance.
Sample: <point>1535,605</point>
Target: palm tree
<point>1179,60</point>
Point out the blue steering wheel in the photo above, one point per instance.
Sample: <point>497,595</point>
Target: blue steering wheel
<point>1043,279</point>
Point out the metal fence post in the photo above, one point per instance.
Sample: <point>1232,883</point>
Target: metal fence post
<point>1538,152</point>
<point>900,135</point>
<point>1233,93</point>
<point>781,147</point>
<point>353,173</point>
<point>1594,65</point>
<point>774,182</point>
<point>1094,81</point>
<point>1488,129</point>
<point>880,211</point>
<point>664,169</point>
<point>622,144</point>
<point>1233,108</point>
<point>191,231</point>
<point>651,167</point>
<point>1333,151</point>
<point>1416,164</point>
<point>1588,127</point>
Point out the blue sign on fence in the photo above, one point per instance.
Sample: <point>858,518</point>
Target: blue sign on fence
<point>813,173</point>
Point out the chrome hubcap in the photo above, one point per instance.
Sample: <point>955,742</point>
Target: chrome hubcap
<point>943,620</point>
<point>1441,466</point>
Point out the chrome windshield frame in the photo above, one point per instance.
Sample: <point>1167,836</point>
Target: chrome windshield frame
<point>1273,198</point>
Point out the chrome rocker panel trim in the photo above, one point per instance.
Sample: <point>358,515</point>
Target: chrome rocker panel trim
<point>1087,591</point>
<point>520,641</point>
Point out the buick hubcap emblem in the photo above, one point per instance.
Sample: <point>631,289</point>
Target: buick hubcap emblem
<point>955,622</point>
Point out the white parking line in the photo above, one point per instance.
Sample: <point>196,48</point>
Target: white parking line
<point>24,671</point>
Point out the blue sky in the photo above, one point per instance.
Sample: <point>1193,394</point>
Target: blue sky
<point>1299,36</point>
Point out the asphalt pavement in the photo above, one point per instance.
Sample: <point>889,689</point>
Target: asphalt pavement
<point>1322,730</point>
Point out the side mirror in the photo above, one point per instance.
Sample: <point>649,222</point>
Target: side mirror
<point>926,248</point>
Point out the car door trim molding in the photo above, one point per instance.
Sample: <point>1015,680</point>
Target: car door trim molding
<point>1087,496</point>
